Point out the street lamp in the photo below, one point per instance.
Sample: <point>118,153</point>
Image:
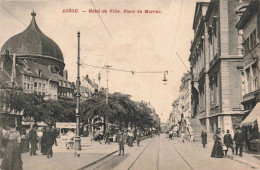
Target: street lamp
<point>77,138</point>
<point>164,78</point>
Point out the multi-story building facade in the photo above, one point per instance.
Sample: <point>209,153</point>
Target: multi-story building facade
<point>88,88</point>
<point>185,102</point>
<point>249,25</point>
<point>175,115</point>
<point>34,63</point>
<point>185,95</point>
<point>215,52</point>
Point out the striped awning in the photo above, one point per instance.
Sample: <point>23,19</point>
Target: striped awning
<point>253,117</point>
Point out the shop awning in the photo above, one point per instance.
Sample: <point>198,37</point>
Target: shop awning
<point>253,116</point>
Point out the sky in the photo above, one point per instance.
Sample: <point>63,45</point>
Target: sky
<point>127,41</point>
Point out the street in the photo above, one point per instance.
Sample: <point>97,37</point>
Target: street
<point>162,153</point>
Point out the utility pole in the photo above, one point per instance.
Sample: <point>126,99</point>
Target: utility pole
<point>107,68</point>
<point>99,78</point>
<point>77,138</point>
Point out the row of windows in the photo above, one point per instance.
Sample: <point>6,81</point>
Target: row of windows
<point>31,78</point>
<point>64,94</point>
<point>34,86</point>
<point>65,84</point>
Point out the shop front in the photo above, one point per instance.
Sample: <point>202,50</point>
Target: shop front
<point>250,126</point>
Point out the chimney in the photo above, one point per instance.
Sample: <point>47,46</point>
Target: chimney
<point>49,67</point>
<point>13,68</point>
<point>65,74</point>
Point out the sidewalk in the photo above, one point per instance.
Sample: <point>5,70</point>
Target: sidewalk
<point>65,159</point>
<point>249,159</point>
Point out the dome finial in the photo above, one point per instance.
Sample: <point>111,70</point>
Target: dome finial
<point>33,14</point>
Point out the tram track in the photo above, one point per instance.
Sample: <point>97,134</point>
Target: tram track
<point>115,157</point>
<point>139,155</point>
<point>143,155</point>
<point>185,160</point>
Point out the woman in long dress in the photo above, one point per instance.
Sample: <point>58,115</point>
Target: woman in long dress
<point>12,157</point>
<point>217,148</point>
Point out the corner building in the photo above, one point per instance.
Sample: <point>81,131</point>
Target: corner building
<point>217,65</point>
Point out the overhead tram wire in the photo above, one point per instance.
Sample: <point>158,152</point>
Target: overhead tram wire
<point>182,61</point>
<point>127,71</point>
<point>13,15</point>
<point>102,21</point>
<point>177,27</point>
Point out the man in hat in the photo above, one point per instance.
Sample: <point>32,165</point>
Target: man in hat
<point>49,141</point>
<point>121,142</point>
<point>239,140</point>
<point>228,142</point>
<point>204,138</point>
<point>33,139</point>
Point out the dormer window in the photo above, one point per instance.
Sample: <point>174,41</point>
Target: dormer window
<point>40,73</point>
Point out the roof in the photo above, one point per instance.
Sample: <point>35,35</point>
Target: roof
<point>198,10</point>
<point>33,68</point>
<point>252,8</point>
<point>32,42</point>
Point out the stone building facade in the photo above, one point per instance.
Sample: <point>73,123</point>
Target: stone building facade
<point>216,62</point>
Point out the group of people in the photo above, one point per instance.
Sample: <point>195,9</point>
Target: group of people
<point>128,138</point>
<point>178,132</point>
<point>46,140</point>
<point>222,142</point>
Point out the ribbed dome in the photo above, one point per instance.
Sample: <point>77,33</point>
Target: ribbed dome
<point>32,42</point>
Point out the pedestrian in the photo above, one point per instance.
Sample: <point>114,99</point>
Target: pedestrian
<point>107,137</point>
<point>121,142</point>
<point>33,140</point>
<point>12,155</point>
<point>171,134</point>
<point>39,135</point>
<point>239,140</point>
<point>217,147</point>
<point>130,137</point>
<point>182,136</point>
<point>55,134</point>
<point>1,140</point>
<point>49,141</point>
<point>228,142</point>
<point>204,138</point>
<point>224,148</point>
<point>70,139</point>
<point>138,137</point>
<point>43,142</point>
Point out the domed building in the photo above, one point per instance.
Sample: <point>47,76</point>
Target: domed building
<point>32,44</point>
<point>32,61</point>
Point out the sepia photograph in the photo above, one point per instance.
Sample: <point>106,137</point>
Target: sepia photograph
<point>129,84</point>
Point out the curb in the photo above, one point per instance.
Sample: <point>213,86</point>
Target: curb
<point>96,161</point>
<point>247,163</point>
